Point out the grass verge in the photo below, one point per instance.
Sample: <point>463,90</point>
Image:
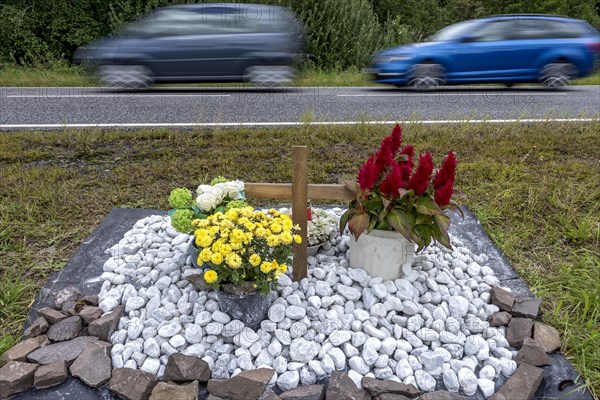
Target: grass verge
<point>65,75</point>
<point>534,188</point>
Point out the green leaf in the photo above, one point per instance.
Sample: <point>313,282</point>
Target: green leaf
<point>423,233</point>
<point>441,235</point>
<point>358,224</point>
<point>198,212</point>
<point>423,219</point>
<point>344,220</point>
<point>399,220</point>
<point>384,226</point>
<point>220,209</point>
<point>443,222</point>
<point>372,223</point>
<point>426,205</point>
<point>374,203</point>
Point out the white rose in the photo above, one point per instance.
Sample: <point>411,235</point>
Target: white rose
<point>207,201</point>
<point>232,189</point>
<point>203,188</point>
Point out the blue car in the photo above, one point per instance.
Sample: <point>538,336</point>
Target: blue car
<point>504,49</point>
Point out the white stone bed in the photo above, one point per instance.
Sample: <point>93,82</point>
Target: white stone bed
<point>428,325</point>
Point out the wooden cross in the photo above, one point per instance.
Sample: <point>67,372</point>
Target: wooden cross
<point>299,191</point>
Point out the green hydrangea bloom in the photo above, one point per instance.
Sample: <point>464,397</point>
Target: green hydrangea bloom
<point>218,179</point>
<point>236,204</point>
<point>181,220</point>
<point>180,198</point>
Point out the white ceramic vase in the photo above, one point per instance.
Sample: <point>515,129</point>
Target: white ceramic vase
<point>381,253</point>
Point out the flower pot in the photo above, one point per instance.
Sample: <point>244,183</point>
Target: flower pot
<point>313,250</point>
<point>250,308</point>
<point>381,253</point>
<point>194,252</point>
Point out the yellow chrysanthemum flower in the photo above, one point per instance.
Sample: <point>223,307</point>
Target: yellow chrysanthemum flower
<point>266,267</point>
<point>202,223</point>
<point>237,235</point>
<point>201,232</point>
<point>247,212</point>
<point>210,276</point>
<point>282,268</point>
<point>236,245</point>
<point>254,260</point>
<point>286,238</point>
<point>226,249</point>
<point>217,245</point>
<point>298,239</point>
<point>206,241</point>
<point>275,227</point>
<point>233,260</point>
<point>272,241</point>
<point>287,223</point>
<point>205,255</point>
<point>232,214</point>
<point>216,259</point>
<point>260,232</point>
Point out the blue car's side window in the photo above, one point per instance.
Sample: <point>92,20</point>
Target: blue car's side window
<point>494,31</point>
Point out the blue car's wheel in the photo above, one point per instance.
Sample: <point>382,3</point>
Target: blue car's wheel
<point>129,76</point>
<point>557,75</point>
<point>426,76</point>
<point>269,74</point>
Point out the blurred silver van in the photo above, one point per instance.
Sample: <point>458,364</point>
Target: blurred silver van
<point>200,43</point>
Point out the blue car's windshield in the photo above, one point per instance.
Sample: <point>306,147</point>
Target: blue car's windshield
<point>452,32</point>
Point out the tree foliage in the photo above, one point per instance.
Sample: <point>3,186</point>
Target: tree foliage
<point>341,33</point>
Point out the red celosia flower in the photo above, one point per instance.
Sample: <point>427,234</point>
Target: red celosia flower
<point>368,174</point>
<point>407,166</point>
<point>393,182</point>
<point>385,158</point>
<point>409,151</point>
<point>391,143</point>
<point>396,138</point>
<point>420,179</point>
<point>447,171</point>
<point>443,194</point>
<point>406,170</point>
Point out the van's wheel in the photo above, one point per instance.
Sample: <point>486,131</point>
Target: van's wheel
<point>129,76</point>
<point>557,75</point>
<point>426,76</point>
<point>269,74</point>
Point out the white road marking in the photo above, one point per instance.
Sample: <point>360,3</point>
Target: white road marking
<point>288,124</point>
<point>490,94</point>
<point>70,96</point>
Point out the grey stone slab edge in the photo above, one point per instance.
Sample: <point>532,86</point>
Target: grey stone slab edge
<point>85,267</point>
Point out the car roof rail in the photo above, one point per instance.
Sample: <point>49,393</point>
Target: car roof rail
<point>529,15</point>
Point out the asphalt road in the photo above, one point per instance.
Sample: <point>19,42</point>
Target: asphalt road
<point>189,106</point>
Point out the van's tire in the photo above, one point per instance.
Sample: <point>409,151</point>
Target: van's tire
<point>558,74</point>
<point>128,76</point>
<point>426,76</point>
<point>269,74</point>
